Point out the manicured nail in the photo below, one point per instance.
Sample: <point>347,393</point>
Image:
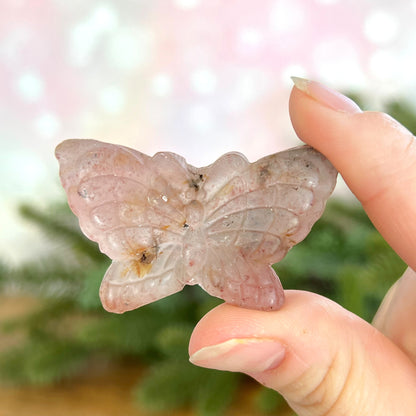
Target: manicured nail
<point>246,355</point>
<point>399,296</point>
<point>326,96</point>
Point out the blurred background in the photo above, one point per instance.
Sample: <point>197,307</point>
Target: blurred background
<point>199,78</point>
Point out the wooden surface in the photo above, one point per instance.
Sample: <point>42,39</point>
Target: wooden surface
<point>103,390</point>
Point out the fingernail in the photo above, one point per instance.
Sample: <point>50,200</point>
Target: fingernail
<point>246,355</point>
<point>326,96</point>
<point>381,317</point>
<point>400,294</point>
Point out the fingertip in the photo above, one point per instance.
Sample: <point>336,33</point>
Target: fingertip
<point>375,155</point>
<point>298,316</point>
<point>325,96</point>
<point>318,125</point>
<point>222,323</point>
<point>322,358</point>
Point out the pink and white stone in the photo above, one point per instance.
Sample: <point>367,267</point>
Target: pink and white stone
<point>166,224</point>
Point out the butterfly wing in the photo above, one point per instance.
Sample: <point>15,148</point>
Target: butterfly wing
<point>239,281</point>
<point>128,203</point>
<point>125,287</point>
<point>255,215</point>
<point>138,209</point>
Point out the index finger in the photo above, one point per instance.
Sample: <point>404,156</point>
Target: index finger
<point>374,153</point>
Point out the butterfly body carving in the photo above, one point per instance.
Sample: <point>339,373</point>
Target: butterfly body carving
<point>166,224</point>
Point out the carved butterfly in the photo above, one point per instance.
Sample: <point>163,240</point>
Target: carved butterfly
<point>166,224</point>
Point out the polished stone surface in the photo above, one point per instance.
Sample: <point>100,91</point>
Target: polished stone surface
<point>166,224</point>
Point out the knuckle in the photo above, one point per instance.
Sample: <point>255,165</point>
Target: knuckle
<point>328,392</point>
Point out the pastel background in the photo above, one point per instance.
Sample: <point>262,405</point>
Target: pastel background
<point>197,77</point>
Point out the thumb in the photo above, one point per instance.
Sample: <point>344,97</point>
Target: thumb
<point>323,359</point>
<point>374,153</point>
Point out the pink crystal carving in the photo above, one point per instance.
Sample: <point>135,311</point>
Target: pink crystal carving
<point>166,224</point>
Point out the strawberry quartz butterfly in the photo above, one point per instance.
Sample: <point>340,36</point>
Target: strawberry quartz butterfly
<point>166,224</point>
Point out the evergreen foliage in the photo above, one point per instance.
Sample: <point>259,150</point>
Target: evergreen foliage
<point>343,258</point>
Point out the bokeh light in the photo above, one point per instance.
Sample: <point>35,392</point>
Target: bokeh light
<point>197,77</point>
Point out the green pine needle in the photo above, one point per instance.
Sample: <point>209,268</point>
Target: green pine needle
<point>343,258</point>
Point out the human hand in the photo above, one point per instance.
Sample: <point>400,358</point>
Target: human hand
<point>322,358</point>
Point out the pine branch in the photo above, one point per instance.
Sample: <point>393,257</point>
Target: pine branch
<point>42,362</point>
<point>58,227</point>
<point>404,113</point>
<point>169,386</point>
<point>215,392</point>
<point>269,401</point>
<point>343,258</point>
